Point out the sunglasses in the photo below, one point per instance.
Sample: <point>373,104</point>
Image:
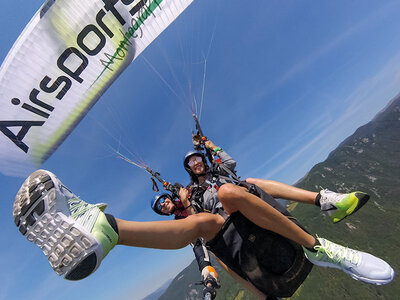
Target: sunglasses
<point>193,161</point>
<point>161,201</point>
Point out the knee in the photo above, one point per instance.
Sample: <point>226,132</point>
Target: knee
<point>227,192</point>
<point>207,225</point>
<point>204,221</point>
<point>230,196</point>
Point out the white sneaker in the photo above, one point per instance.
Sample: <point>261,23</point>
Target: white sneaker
<point>339,205</point>
<point>74,235</point>
<point>359,265</point>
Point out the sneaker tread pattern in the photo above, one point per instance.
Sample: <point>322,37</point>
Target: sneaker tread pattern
<point>34,211</point>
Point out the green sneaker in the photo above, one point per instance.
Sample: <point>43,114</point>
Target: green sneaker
<point>339,205</point>
<point>74,235</point>
<point>359,265</point>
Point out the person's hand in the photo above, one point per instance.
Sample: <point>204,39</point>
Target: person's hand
<point>210,145</point>
<point>184,196</point>
<point>209,271</point>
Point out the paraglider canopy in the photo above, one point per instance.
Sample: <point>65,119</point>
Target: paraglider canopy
<point>64,60</point>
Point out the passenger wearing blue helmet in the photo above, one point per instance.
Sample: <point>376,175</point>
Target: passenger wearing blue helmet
<point>167,205</point>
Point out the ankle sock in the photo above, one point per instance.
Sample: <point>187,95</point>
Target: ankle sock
<point>312,249</point>
<point>317,203</point>
<point>111,220</point>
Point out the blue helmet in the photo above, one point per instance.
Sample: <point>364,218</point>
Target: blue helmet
<point>154,202</point>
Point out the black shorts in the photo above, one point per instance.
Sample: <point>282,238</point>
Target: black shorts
<point>274,264</point>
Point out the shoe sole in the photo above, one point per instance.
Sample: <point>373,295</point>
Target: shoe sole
<point>354,276</point>
<point>69,247</point>
<point>339,215</point>
<point>372,281</point>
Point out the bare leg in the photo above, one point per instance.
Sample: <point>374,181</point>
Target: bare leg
<point>173,234</point>
<point>234,198</point>
<point>246,284</point>
<point>281,190</point>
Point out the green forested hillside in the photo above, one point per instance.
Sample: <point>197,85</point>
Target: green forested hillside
<point>369,160</point>
<point>183,286</point>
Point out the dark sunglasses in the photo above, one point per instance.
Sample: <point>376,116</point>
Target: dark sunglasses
<point>161,201</point>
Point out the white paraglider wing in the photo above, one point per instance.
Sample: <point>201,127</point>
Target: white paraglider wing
<point>66,57</point>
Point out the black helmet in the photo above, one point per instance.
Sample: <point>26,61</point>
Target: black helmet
<point>155,201</point>
<point>186,163</point>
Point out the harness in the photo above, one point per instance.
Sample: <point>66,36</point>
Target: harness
<point>196,198</point>
<point>274,264</point>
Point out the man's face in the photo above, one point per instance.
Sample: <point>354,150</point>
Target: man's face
<point>196,165</point>
<point>167,206</point>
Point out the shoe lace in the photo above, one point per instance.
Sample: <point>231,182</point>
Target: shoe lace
<point>338,253</point>
<point>78,207</point>
<point>330,196</point>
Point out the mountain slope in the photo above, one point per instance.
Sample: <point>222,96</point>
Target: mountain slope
<point>157,293</point>
<point>184,287</point>
<point>368,160</point>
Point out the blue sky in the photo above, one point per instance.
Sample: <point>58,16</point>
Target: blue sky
<point>286,82</point>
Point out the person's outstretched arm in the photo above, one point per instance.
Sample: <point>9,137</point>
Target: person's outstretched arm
<point>226,160</point>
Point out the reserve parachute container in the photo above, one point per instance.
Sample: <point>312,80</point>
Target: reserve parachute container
<point>64,60</point>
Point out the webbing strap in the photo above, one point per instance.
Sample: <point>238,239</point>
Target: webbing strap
<point>155,187</point>
<point>233,177</point>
